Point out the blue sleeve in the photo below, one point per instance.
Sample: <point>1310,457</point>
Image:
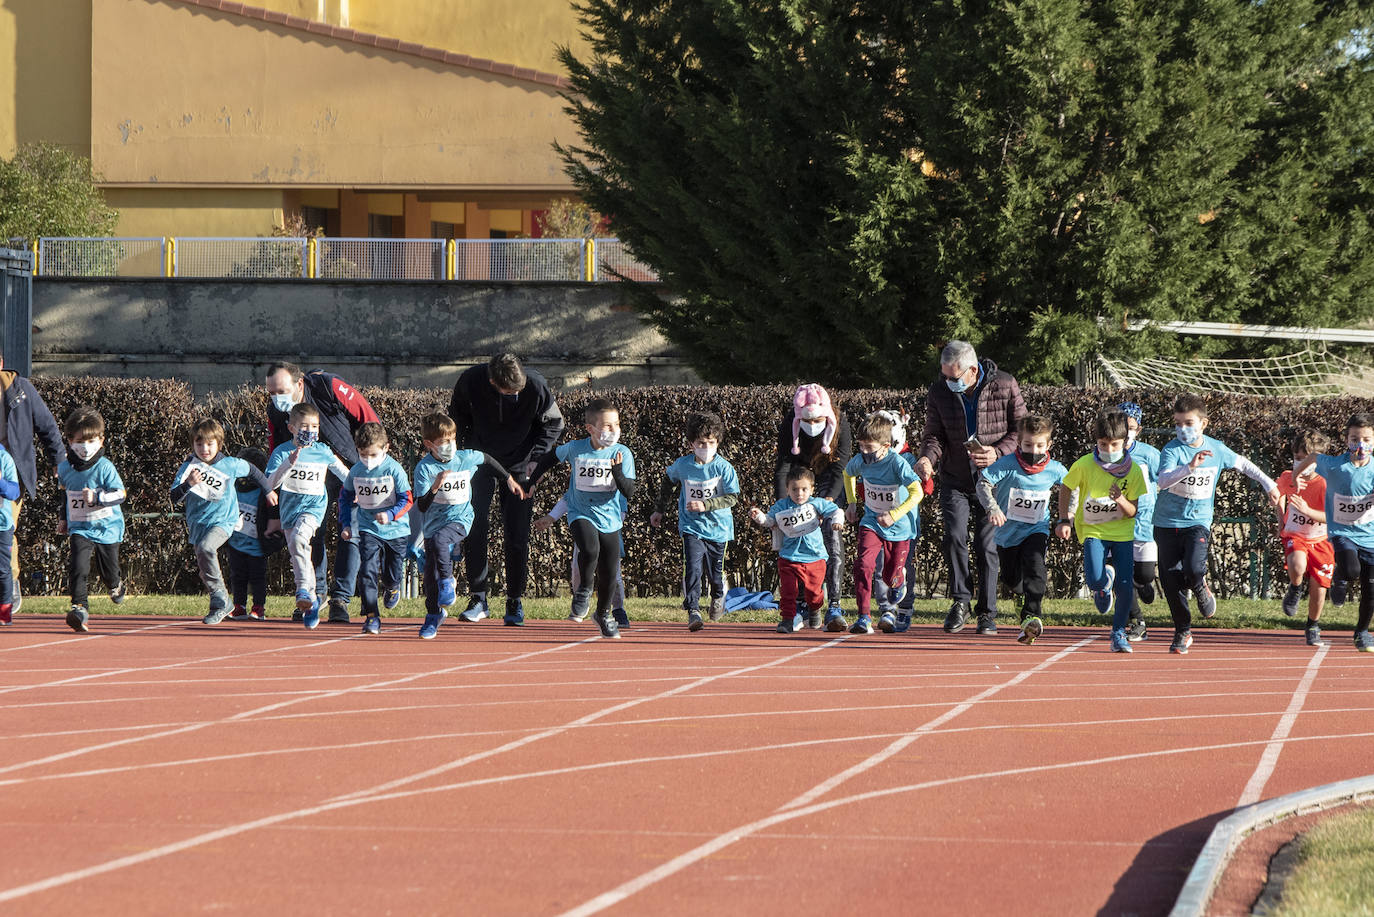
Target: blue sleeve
<point>730,480</point>
<point>907,474</point>
<point>424,477</point>
<point>562,452</point>
<point>853,466</point>
<point>1326,462</point>
<point>992,474</point>
<point>627,465</point>
<point>346,501</point>
<point>9,483</point>
<point>274,461</point>
<point>824,506</point>
<point>1225,455</point>
<point>110,477</point>
<point>673,474</point>
<point>1169,459</point>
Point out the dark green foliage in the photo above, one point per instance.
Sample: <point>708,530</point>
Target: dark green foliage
<point>47,191</point>
<point>148,423</point>
<point>843,185</point>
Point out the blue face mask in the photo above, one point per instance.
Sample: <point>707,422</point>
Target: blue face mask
<point>957,385</point>
<point>1187,435</point>
<point>283,402</point>
<point>1111,458</point>
<point>306,438</point>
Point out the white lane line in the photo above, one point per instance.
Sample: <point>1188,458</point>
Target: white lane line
<point>86,638</point>
<point>624,891</point>
<point>580,721</point>
<point>1270,758</point>
<point>825,786</point>
<point>246,714</point>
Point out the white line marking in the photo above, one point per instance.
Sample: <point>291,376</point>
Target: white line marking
<point>71,641</point>
<point>1270,758</point>
<point>825,786</point>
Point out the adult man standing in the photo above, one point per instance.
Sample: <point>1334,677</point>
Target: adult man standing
<point>509,413</point>
<point>971,415</point>
<point>343,410</point>
<point>24,416</point>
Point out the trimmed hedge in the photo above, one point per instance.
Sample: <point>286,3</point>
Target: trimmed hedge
<point>147,423</point>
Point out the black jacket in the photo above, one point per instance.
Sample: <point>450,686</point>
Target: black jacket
<point>342,409</point>
<point>514,429</point>
<point>29,416</point>
<point>830,478</point>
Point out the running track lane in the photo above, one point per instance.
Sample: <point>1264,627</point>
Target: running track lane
<point>164,768</point>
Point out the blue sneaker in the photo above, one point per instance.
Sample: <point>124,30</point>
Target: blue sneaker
<point>372,624</point>
<point>303,602</point>
<point>391,598</point>
<point>430,628</point>
<point>903,622</point>
<point>1363,642</point>
<point>888,623</point>
<point>1104,599</point>
<point>864,625</point>
<point>834,620</point>
<point>1119,642</point>
<point>312,615</point>
<point>448,591</point>
<point>515,614</point>
<point>476,610</point>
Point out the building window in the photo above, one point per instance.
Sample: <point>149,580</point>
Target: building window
<point>442,230</point>
<point>316,219</point>
<point>380,226</point>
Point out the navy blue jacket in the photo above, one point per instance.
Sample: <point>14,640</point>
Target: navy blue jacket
<point>342,409</point>
<point>28,415</point>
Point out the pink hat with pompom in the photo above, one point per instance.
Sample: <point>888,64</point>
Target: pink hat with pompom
<point>810,404</point>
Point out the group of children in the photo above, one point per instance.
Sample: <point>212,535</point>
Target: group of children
<point>1136,510</point>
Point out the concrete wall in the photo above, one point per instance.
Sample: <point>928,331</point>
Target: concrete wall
<point>220,334</point>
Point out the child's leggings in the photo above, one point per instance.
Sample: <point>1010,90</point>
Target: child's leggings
<point>207,560</point>
<point>1355,564</point>
<point>871,544</point>
<point>247,573</point>
<point>79,568</point>
<point>1097,554</point>
<point>1146,568</point>
<point>617,590</point>
<point>1023,571</point>
<point>298,546</point>
<point>599,556</point>
<point>1182,568</point>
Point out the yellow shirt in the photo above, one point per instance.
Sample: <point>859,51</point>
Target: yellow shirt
<point>1098,515</point>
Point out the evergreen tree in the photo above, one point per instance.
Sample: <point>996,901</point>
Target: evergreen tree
<point>832,188</point>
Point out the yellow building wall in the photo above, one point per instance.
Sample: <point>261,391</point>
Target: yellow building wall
<point>45,74</point>
<point>196,211</point>
<point>521,32</point>
<point>212,98</point>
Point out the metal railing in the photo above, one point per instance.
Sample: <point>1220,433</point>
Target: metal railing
<point>516,260</point>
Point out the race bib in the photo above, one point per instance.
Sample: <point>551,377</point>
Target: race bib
<point>1197,484</point>
<point>1029,506</point>
<point>593,475</point>
<point>1353,510</point>
<point>374,494</point>
<point>248,519</point>
<point>702,490</point>
<point>881,498</point>
<point>455,490</point>
<point>306,478</point>
<point>78,510</point>
<point>1304,526</point>
<point>1101,509</point>
<point>798,521</point>
<point>213,483</point>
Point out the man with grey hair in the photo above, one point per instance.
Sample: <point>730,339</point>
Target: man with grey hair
<point>971,415</point>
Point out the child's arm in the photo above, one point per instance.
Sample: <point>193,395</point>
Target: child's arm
<point>988,497</point>
<point>347,498</point>
<point>623,482</point>
<point>185,481</point>
<point>1126,503</point>
<point>545,462</point>
<point>279,473</point>
<point>762,519</point>
<point>836,518</point>
<point>913,500</point>
<point>1251,471</point>
<point>398,509</point>
<point>258,477</point>
<point>1064,527</point>
<point>338,469</point>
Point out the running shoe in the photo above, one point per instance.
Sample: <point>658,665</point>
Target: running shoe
<point>694,621</point>
<point>1182,640</point>
<point>1031,629</point>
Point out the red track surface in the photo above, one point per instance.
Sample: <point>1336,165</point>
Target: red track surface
<point>161,766</point>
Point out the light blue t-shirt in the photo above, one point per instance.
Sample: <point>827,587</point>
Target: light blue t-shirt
<point>384,489</point>
<point>212,503</point>
<point>96,523</point>
<point>591,487</point>
<point>800,523</point>
<point>303,489</point>
<point>9,473</point>
<point>1024,498</point>
<point>887,485</point>
<point>1349,499</point>
<point>244,537</point>
<point>1147,457</point>
<point>1190,501</point>
<point>452,503</point>
<point>716,478</point>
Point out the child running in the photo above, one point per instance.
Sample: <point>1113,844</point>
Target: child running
<point>1188,469</point>
<point>892,492</point>
<point>1015,490</point>
<point>1108,484</point>
<point>708,488</point>
<point>443,484</point>
<point>299,467</point>
<point>9,492</point>
<point>1144,550</point>
<point>1350,514</point>
<point>1307,553</point>
<point>91,513</point>
<point>256,537</point>
<point>205,483</point>
<point>373,503</point>
<point>798,517</point>
<point>602,467</point>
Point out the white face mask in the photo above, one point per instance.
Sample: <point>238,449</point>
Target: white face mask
<point>812,427</point>
<point>372,462</point>
<point>608,437</point>
<point>1130,436</point>
<point>445,451</point>
<point>704,454</point>
<point>86,448</point>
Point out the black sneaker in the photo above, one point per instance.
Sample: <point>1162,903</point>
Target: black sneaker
<point>622,617</point>
<point>607,624</point>
<point>694,621</point>
<point>1206,601</point>
<point>987,624</point>
<point>338,612</point>
<point>1291,598</point>
<point>77,618</point>
<point>1183,639</point>
<point>1314,635</point>
<point>297,616</point>
<point>1136,631</point>
<point>1339,588</point>
<point>957,617</point>
<point>1146,591</point>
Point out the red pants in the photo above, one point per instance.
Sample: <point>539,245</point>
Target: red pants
<point>1321,557</point>
<point>894,565</point>
<point>808,579</point>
